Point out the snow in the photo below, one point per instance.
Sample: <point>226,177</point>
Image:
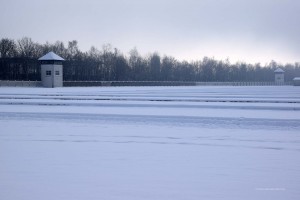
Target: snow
<point>51,56</point>
<point>279,70</point>
<point>168,143</point>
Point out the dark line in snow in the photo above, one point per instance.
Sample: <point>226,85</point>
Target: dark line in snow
<point>180,121</point>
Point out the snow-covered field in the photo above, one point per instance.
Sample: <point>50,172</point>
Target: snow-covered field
<point>158,143</point>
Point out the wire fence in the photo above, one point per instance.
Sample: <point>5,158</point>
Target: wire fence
<point>5,83</point>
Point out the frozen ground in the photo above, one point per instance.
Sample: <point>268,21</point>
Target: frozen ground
<point>162,143</point>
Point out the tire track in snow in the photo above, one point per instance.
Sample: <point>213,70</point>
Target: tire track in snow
<point>161,120</point>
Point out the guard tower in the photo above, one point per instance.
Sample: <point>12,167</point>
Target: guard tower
<point>279,76</point>
<point>51,70</point>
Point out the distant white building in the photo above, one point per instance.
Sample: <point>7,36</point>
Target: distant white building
<point>279,76</point>
<point>296,81</point>
<point>51,70</point>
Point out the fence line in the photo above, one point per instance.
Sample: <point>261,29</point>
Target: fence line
<point>169,83</point>
<point>242,83</point>
<point>20,83</point>
<point>128,83</point>
<point>4,83</point>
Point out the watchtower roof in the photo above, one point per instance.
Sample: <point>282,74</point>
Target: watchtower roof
<point>51,56</point>
<point>279,70</point>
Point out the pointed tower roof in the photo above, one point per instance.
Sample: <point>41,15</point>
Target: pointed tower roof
<point>51,56</point>
<point>279,70</point>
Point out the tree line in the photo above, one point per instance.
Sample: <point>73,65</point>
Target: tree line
<point>18,61</point>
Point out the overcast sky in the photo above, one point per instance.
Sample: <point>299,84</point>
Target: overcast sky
<point>241,30</point>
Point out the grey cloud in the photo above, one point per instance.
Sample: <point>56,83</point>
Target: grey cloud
<point>161,22</point>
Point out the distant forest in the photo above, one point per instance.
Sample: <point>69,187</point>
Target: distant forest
<point>18,61</point>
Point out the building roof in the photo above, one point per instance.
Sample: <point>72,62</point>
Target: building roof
<point>279,70</point>
<point>51,56</point>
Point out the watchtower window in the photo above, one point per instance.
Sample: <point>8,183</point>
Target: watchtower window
<point>57,73</point>
<point>48,73</point>
<point>51,62</point>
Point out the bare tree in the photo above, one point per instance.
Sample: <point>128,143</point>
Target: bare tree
<point>18,61</point>
<point>72,50</point>
<point>26,48</point>
<point>7,48</point>
<point>155,66</point>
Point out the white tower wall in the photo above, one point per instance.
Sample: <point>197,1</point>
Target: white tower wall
<point>52,75</point>
<point>279,77</point>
